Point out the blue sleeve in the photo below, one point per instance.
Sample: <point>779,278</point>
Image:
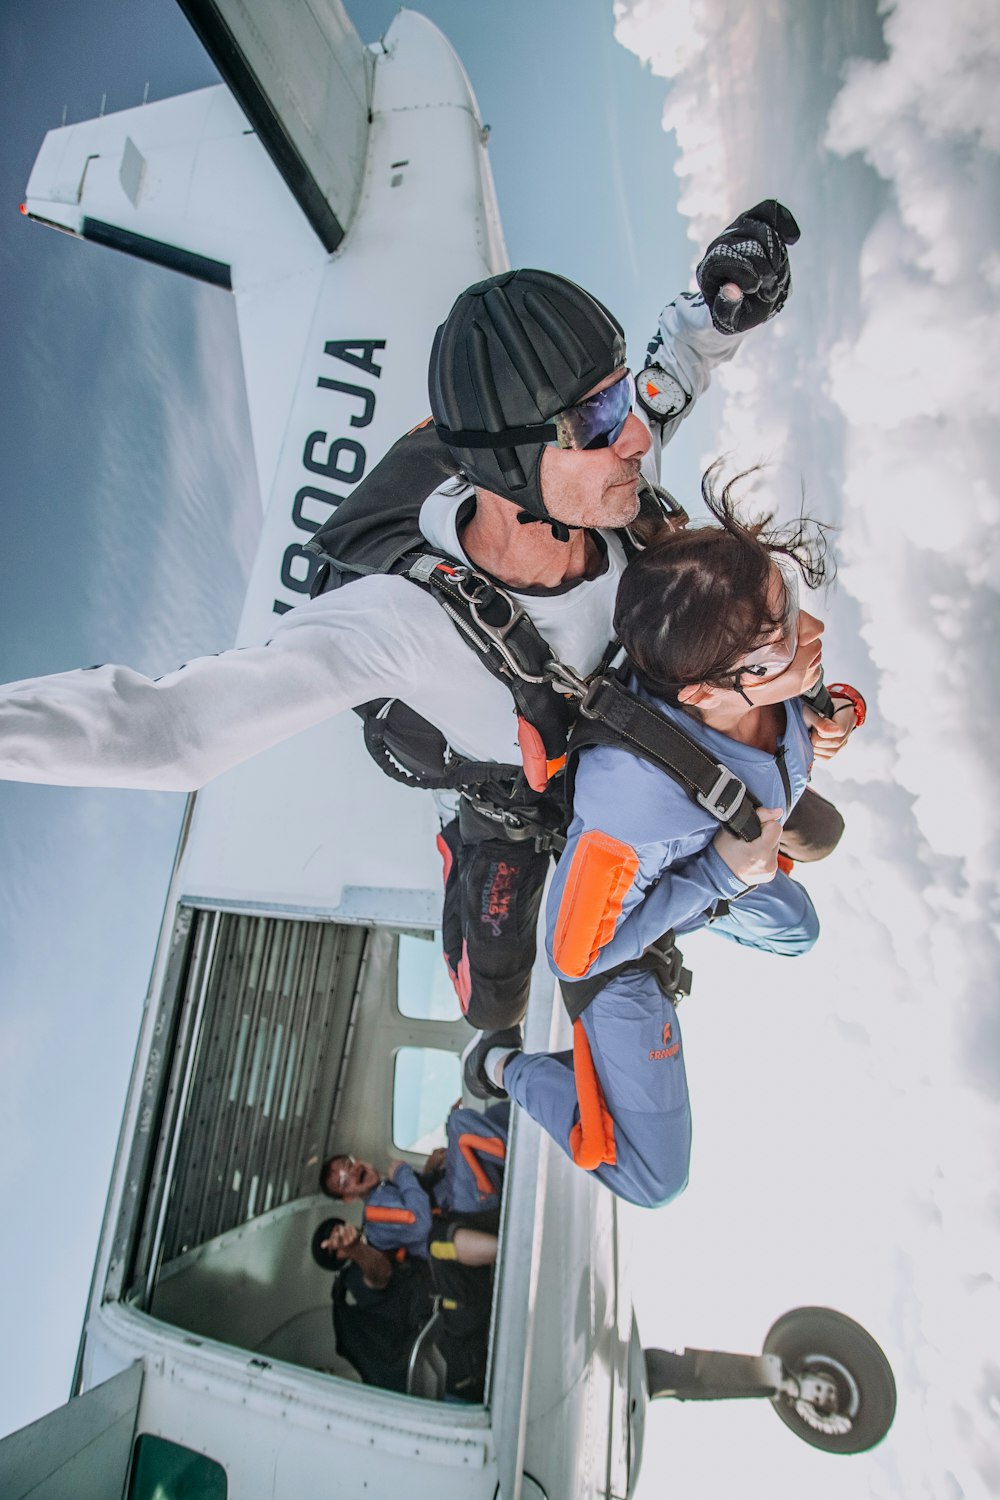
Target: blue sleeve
<point>403,1194</point>
<point>415,1199</point>
<point>638,860</point>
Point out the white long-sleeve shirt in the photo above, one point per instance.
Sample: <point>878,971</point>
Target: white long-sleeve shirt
<point>378,637</point>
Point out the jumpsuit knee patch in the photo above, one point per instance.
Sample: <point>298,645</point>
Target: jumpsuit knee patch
<point>599,878</point>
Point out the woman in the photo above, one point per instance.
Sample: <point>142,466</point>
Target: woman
<point>710,621</point>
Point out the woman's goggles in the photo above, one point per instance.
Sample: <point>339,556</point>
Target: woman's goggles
<point>777,656</point>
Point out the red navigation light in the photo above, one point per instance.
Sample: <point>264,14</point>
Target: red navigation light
<point>23,207</point>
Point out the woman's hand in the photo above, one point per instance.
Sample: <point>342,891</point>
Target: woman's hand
<point>830,735</point>
<point>757,862</point>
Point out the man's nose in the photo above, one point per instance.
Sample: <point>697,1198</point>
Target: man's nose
<point>633,440</point>
<point>810,629</point>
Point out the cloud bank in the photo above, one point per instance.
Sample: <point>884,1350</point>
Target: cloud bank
<point>880,129</point>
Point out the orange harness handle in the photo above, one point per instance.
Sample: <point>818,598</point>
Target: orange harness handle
<point>474,1146</point>
<point>592,1140</point>
<point>377,1215</point>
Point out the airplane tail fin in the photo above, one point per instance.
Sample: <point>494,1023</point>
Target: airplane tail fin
<point>187,181</point>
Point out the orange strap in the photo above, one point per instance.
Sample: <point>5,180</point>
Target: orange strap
<point>376,1215</point>
<point>599,879</point>
<point>474,1146</point>
<point>592,1141</point>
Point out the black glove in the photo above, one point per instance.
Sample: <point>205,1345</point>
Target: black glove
<point>752,253</point>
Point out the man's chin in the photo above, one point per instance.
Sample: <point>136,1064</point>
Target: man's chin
<point>621,503</point>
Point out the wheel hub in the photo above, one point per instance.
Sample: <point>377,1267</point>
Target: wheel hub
<point>828,1398</point>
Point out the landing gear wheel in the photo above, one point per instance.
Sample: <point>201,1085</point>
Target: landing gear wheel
<point>850,1398</point>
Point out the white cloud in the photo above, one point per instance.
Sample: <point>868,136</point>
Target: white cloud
<point>878,383</point>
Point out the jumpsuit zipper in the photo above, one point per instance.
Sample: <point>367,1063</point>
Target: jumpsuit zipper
<point>779,757</point>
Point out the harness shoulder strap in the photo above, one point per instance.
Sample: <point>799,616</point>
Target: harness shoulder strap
<point>612,715</point>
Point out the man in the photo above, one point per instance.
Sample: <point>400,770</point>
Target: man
<point>710,621</point>
<point>379,1304</point>
<point>397,1211</point>
<point>530,396</point>
<point>464,1177</point>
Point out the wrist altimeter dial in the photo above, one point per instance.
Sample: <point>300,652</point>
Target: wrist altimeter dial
<point>660,394</point>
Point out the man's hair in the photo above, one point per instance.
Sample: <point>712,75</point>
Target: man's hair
<point>696,601</point>
<point>323,1171</point>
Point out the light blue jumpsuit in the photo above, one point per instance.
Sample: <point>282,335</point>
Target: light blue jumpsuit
<point>664,839</point>
<point>397,1214</point>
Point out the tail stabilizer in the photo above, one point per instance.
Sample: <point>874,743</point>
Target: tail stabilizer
<point>184,182</point>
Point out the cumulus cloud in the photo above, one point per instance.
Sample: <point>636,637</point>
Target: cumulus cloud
<point>877,383</point>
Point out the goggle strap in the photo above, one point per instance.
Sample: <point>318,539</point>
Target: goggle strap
<point>509,437</point>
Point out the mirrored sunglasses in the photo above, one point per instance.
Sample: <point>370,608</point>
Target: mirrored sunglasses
<point>598,421</point>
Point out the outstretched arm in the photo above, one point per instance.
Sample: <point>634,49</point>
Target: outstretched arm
<point>743,279</point>
<point>346,1242</point>
<point>112,726</point>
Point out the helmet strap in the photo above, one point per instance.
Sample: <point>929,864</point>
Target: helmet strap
<point>560,529</point>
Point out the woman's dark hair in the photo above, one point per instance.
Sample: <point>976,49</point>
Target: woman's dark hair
<point>696,601</point>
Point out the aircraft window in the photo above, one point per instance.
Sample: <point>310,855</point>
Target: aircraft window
<point>426,1083</point>
<point>423,991</point>
<point>165,1471</point>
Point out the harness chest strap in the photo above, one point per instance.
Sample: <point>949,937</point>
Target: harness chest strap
<point>612,715</point>
<point>514,651</point>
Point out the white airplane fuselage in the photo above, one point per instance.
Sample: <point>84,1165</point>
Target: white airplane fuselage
<point>311,835</point>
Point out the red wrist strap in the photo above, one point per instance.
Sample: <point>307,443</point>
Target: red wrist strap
<point>843,690</point>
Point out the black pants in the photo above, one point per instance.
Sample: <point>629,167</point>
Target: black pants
<point>812,829</point>
<point>493,889</point>
<point>492,892</point>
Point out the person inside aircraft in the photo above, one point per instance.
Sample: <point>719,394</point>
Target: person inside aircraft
<point>382,1302</point>
<point>396,1213</point>
<point>717,645</point>
<point>511,517</point>
<point>462,1178</point>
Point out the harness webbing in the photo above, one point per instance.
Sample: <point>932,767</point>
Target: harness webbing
<point>612,715</point>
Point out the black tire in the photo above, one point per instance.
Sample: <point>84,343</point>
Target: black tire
<point>818,1341</point>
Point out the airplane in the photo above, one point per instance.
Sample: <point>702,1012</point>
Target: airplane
<point>343,193</point>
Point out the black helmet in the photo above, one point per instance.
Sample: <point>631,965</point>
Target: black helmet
<point>514,351</point>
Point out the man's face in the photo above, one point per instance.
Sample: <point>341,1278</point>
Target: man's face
<point>349,1179</point>
<point>596,486</point>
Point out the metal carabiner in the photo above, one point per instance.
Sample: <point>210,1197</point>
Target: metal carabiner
<point>565,680</point>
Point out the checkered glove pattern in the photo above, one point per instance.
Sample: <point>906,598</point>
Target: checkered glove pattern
<point>753,253</point>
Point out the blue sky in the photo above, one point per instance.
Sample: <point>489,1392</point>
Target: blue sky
<point>127,527</point>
